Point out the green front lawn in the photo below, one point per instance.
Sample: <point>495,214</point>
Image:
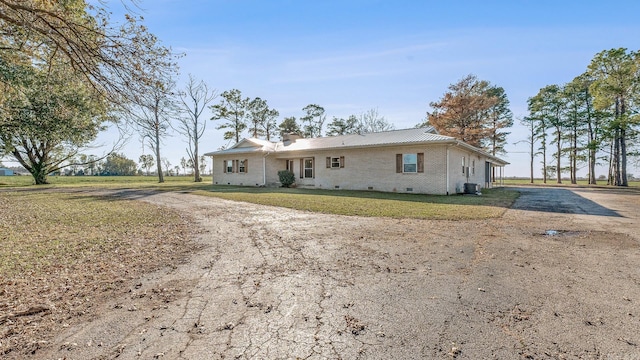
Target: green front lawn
<point>492,203</point>
<point>176,182</point>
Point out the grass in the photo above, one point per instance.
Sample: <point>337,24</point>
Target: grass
<point>149,182</point>
<point>43,229</point>
<point>491,204</point>
<point>66,251</point>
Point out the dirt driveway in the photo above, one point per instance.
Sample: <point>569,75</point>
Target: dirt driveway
<point>282,284</point>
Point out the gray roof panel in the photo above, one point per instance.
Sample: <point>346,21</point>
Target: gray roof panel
<point>394,137</point>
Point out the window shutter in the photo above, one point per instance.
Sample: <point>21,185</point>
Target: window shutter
<point>235,166</point>
<point>420,162</point>
<point>224,166</point>
<point>328,162</point>
<point>341,161</point>
<point>398,163</point>
<point>246,166</point>
<point>313,167</point>
<point>301,168</point>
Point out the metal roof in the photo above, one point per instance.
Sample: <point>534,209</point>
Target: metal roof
<point>394,137</point>
<point>248,145</point>
<point>386,138</point>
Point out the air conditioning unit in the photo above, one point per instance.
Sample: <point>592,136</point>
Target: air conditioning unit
<point>471,188</point>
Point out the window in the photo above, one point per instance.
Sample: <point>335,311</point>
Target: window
<point>236,166</point>
<point>410,163</point>
<point>308,167</point>
<point>335,162</point>
<point>473,167</point>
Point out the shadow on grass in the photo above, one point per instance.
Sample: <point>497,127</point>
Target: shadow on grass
<point>492,203</point>
<point>498,197</point>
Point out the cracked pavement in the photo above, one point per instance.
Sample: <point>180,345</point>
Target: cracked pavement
<point>275,283</point>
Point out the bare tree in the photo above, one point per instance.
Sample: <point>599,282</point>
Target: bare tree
<point>194,101</point>
<point>531,139</point>
<point>153,104</point>
<point>371,121</point>
<point>153,118</point>
<point>183,164</point>
<point>167,166</point>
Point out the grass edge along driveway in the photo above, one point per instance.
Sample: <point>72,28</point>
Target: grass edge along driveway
<point>491,204</point>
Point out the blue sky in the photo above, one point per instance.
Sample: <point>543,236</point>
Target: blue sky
<point>397,56</point>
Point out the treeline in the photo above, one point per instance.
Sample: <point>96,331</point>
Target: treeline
<point>590,121</point>
<point>242,115</point>
<point>118,164</point>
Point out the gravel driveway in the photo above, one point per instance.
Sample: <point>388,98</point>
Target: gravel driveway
<point>275,283</point>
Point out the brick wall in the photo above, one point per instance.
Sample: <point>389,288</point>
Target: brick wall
<point>375,169</point>
<point>252,177</point>
<point>364,169</point>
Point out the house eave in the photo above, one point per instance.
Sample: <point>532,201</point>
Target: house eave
<point>227,152</point>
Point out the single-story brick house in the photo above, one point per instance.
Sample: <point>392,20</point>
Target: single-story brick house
<point>413,161</point>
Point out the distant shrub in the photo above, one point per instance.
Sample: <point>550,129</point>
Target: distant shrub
<point>287,178</point>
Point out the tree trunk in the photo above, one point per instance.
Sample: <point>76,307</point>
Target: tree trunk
<point>531,151</point>
<point>592,154</point>
<point>616,158</point>
<point>558,157</point>
<point>623,146</point>
<point>544,155</point>
<point>623,158</point>
<point>158,161</point>
<point>531,163</point>
<point>610,173</point>
<point>592,143</point>
<point>37,168</point>
<point>196,159</point>
<point>592,167</point>
<point>574,155</point>
<point>40,177</point>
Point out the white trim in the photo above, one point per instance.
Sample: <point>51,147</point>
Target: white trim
<point>447,169</point>
<point>264,169</point>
